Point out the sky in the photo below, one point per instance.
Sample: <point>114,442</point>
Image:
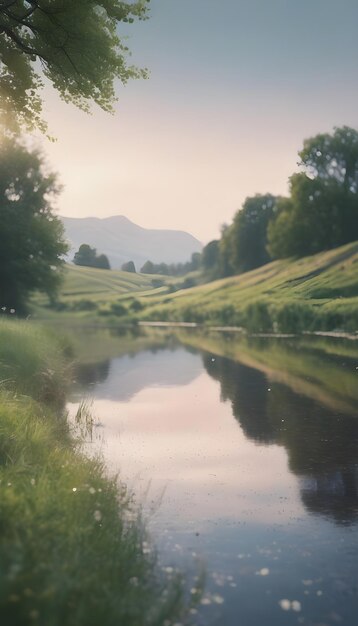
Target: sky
<point>235,87</point>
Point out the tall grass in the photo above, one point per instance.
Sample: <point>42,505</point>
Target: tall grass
<point>33,361</point>
<point>73,552</point>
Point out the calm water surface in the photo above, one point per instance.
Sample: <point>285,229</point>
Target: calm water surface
<point>245,453</point>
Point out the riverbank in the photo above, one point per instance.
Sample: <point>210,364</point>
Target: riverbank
<point>317,293</point>
<point>313,294</point>
<point>72,548</point>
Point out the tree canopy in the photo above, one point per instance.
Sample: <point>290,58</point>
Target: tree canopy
<point>72,43</point>
<point>128,267</point>
<point>333,158</point>
<point>247,239</point>
<point>87,257</point>
<point>32,238</point>
<point>322,210</point>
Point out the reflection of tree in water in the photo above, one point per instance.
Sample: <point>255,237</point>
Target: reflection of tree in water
<point>322,446</point>
<point>88,374</point>
<point>246,388</point>
<point>323,449</point>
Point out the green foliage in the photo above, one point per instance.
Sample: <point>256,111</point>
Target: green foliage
<point>118,309</point>
<point>293,317</point>
<point>333,157</point>
<point>33,361</point>
<point>148,268</point>
<point>76,46</point>
<point>243,244</point>
<point>128,267</point>
<point>32,238</point>
<point>258,317</point>
<point>248,233</point>
<point>136,305</point>
<point>157,282</point>
<point>322,211</point>
<point>210,257</point>
<point>102,262</point>
<point>172,269</point>
<point>84,305</point>
<point>280,296</point>
<point>87,257</point>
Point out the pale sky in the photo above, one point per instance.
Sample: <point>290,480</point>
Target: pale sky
<point>235,86</point>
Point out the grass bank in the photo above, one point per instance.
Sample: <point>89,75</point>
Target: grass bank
<point>313,293</point>
<point>316,293</point>
<point>72,550</point>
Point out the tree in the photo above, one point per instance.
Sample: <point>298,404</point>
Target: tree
<point>210,255</point>
<point>102,262</point>
<point>148,268</point>
<point>322,211</point>
<point>129,267</point>
<point>32,238</point>
<point>248,233</point>
<point>87,257</point>
<point>73,44</point>
<point>333,158</point>
<point>195,261</point>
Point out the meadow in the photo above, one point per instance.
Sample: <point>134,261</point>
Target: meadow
<point>316,293</point>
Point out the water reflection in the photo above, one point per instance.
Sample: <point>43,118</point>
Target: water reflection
<point>256,445</point>
<point>89,374</point>
<point>322,445</point>
<point>246,389</point>
<point>122,378</point>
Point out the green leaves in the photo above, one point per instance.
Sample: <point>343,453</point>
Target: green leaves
<point>73,44</point>
<point>32,238</point>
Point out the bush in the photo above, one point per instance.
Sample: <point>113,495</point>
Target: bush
<point>293,317</point>
<point>118,309</point>
<point>84,305</point>
<point>258,318</point>
<point>157,282</point>
<point>136,305</point>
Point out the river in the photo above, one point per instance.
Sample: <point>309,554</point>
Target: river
<point>244,454</point>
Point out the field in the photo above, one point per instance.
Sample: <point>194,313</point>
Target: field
<point>86,291</point>
<point>313,293</point>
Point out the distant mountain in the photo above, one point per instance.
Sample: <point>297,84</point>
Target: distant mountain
<point>122,240</point>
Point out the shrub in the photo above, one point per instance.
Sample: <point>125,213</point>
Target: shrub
<point>293,317</point>
<point>136,305</point>
<point>118,309</point>
<point>84,305</point>
<point>258,317</point>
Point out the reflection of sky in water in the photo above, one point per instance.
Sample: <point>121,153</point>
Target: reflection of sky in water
<point>222,494</point>
<point>130,374</point>
<point>181,437</point>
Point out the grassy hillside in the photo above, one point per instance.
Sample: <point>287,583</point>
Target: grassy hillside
<point>314,293</point>
<point>319,292</point>
<point>87,289</point>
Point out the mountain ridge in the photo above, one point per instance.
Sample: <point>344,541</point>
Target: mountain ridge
<point>122,240</point>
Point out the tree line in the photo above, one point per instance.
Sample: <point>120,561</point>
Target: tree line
<point>320,213</point>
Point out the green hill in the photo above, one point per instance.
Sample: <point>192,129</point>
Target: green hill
<point>319,292</point>
<point>87,289</point>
